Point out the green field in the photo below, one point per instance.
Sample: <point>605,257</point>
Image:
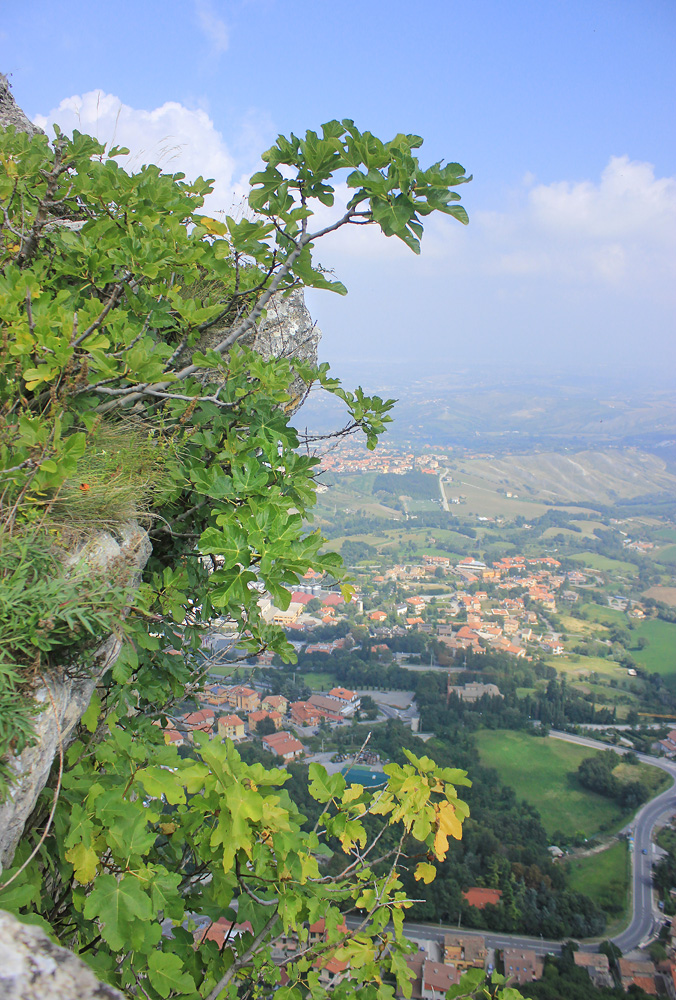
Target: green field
<point>660,656</point>
<point>577,667</point>
<point>605,877</point>
<point>602,614</point>
<point>542,771</point>
<point>318,681</point>
<point>603,563</point>
<point>666,555</point>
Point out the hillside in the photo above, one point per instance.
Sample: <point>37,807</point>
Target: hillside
<point>598,476</point>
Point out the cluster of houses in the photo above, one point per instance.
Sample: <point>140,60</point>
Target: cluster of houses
<point>236,712</point>
<point>492,619</point>
<point>352,458</point>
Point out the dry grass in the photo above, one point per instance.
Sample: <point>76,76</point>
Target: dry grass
<point>121,477</point>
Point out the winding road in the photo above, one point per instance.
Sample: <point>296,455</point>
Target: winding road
<point>645,919</point>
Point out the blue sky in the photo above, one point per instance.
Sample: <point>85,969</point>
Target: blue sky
<point>563,111</point>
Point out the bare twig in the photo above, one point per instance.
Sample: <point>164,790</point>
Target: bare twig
<point>114,296</point>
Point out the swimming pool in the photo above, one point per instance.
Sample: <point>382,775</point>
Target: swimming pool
<point>357,775</point>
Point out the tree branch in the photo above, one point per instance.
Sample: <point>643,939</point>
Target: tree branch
<point>243,959</point>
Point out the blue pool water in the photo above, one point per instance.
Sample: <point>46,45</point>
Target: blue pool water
<point>363,776</point>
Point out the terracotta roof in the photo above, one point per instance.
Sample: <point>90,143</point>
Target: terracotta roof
<point>331,600</point>
<point>480,897</point>
<point>231,720</point>
<point>222,929</point>
<point>439,977</point>
<point>342,694</point>
<point>299,598</point>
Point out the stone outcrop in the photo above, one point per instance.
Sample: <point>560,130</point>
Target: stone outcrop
<point>287,331</point>
<point>66,699</point>
<point>34,968</point>
<point>11,113</point>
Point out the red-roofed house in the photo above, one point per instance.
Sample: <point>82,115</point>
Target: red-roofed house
<point>480,897</point>
<point>332,600</point>
<point>244,698</point>
<point>521,965</point>
<point>284,745</point>
<point>257,717</point>
<point>223,930</point>
<point>437,979</point>
<point>305,714</point>
<point>299,598</point>
<point>275,703</point>
<point>231,727</point>
<point>347,702</point>
<point>203,721</point>
<point>378,616</point>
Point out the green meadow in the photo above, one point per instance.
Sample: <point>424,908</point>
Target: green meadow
<point>605,877</point>
<point>603,563</point>
<point>659,657</point>
<point>542,771</point>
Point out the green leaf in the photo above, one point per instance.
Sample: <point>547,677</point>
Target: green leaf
<point>159,782</point>
<point>324,787</point>
<point>118,907</point>
<point>90,718</point>
<point>165,972</point>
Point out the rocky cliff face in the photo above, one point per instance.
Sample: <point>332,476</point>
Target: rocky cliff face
<point>64,698</point>
<point>34,968</point>
<point>11,113</point>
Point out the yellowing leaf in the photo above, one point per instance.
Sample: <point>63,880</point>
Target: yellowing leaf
<point>211,225</point>
<point>447,823</point>
<point>84,860</point>
<point>352,793</point>
<point>425,872</point>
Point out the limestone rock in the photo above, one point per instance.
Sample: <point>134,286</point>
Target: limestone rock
<point>287,330</point>
<point>34,968</point>
<point>71,695</point>
<point>11,113</point>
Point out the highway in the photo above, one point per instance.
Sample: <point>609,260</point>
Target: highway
<point>436,932</point>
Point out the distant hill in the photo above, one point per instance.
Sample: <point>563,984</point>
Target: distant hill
<point>510,413</point>
<point>600,476</point>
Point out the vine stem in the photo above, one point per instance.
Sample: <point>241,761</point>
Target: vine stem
<point>56,792</point>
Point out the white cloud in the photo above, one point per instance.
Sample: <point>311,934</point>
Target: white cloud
<point>173,136</point>
<point>619,229</point>
<point>213,27</point>
<point>622,227</point>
